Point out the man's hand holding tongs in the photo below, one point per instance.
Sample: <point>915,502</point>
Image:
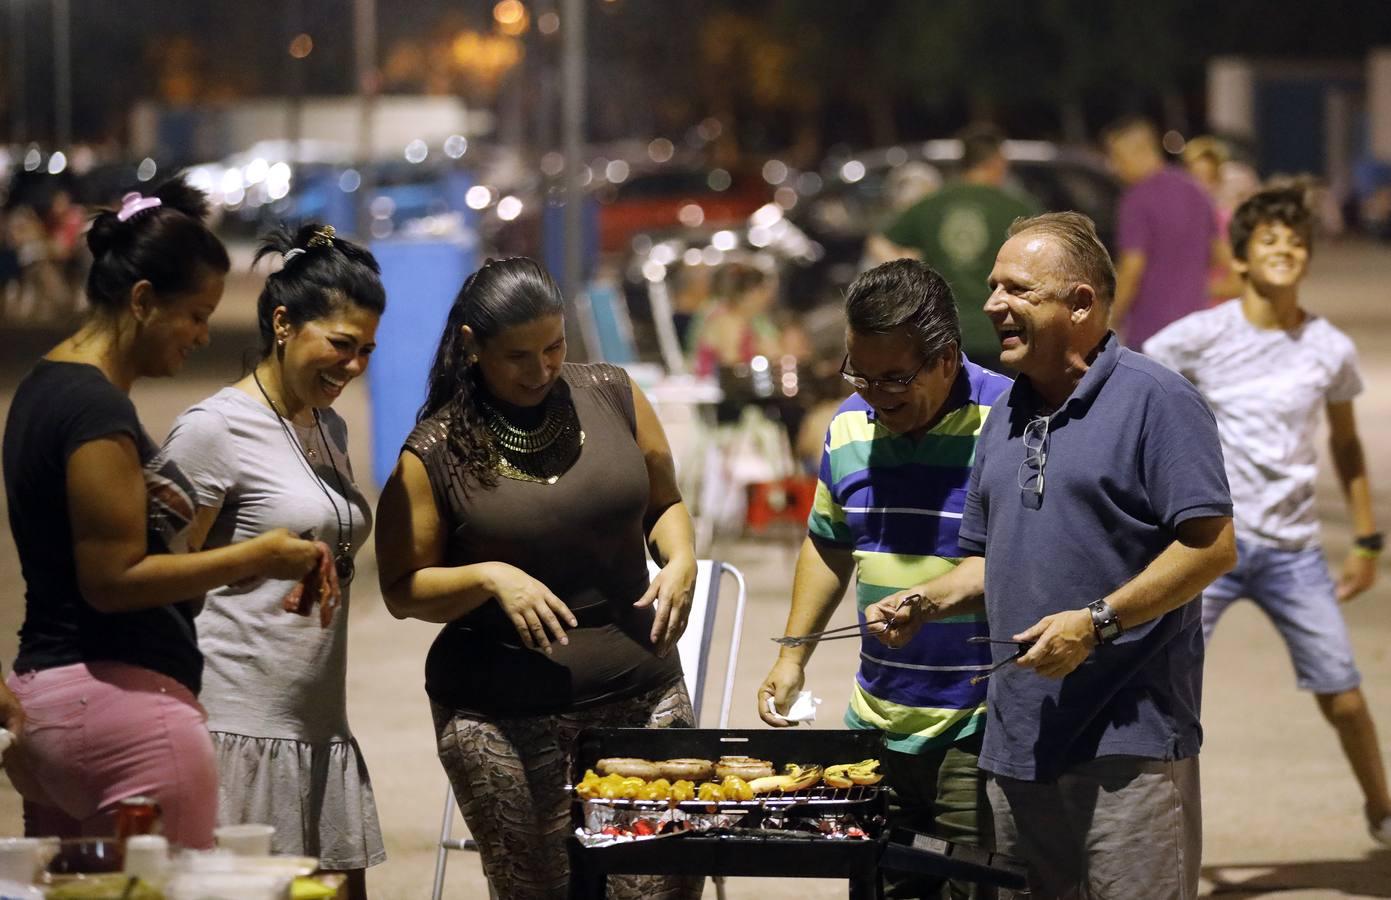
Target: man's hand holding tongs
<point>897,618</point>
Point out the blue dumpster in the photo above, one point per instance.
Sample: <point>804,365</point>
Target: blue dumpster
<point>421,279</point>
<point>553,237</point>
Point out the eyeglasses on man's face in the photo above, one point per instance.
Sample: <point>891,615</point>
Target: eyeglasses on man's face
<point>883,385</point>
<point>1035,458</point>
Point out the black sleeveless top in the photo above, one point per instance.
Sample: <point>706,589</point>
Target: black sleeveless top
<point>582,537</point>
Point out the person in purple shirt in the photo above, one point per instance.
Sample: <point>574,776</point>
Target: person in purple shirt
<point>1167,238</point>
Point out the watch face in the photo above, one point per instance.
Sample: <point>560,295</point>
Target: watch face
<point>1105,622</point>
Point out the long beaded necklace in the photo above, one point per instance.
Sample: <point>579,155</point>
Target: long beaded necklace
<point>343,547</point>
<point>541,454</point>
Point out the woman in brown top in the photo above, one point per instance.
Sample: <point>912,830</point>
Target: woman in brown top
<point>517,515</point>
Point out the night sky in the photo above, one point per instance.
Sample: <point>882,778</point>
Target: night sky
<point>922,66</point>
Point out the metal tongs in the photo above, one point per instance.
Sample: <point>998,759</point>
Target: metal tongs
<point>1021,647</point>
<point>847,631</point>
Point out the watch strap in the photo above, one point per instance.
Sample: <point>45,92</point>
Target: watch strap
<point>1370,544</point>
<point>1105,623</point>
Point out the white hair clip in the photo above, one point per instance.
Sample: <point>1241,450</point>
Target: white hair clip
<point>133,203</point>
<point>291,254</point>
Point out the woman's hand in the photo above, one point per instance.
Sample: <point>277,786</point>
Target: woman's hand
<point>671,591</point>
<point>285,556</point>
<point>534,611</point>
<point>11,713</point>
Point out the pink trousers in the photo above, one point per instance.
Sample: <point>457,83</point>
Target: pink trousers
<point>96,733</point>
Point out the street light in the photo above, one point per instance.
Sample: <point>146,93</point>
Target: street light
<point>572,106</point>
<point>62,73</point>
<point>301,46</point>
<point>368,81</point>
<point>18,97</point>
<point>511,17</point>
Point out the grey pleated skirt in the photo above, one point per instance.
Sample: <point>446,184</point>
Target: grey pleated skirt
<point>318,797</point>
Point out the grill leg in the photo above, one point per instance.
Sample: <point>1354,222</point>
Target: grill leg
<point>587,882</point>
<point>865,886</point>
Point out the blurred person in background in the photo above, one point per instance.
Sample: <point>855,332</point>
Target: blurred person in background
<point>41,284</point>
<point>1166,235</point>
<point>270,452</point>
<point>109,670</point>
<point>957,231</point>
<point>11,275</point>
<point>692,292</point>
<point>1205,157</point>
<point>738,321</point>
<point>64,223</point>
<point>516,517</point>
<point>739,325</point>
<point>1268,368</point>
<point>891,490</point>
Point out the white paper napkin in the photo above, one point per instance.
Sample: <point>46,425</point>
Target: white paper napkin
<point>803,708</point>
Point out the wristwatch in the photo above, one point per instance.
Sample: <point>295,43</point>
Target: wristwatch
<point>1105,623</point>
<point>1372,543</point>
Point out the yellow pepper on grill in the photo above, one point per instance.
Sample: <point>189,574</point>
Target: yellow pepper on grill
<point>850,774</point>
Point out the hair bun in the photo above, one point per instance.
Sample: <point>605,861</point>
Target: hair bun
<point>104,233</point>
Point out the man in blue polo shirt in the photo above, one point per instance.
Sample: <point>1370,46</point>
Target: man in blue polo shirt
<point>1101,508</point>
<point>892,489</point>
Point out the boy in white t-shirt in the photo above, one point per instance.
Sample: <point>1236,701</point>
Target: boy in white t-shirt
<point>1268,368</point>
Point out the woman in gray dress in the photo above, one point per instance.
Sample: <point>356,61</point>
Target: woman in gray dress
<point>517,517</point>
<point>269,452</point>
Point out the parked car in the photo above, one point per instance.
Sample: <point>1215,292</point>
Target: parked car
<point>673,197</point>
<point>851,198</point>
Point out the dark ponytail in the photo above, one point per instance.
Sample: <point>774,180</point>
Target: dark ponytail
<point>167,244</point>
<point>322,273</point>
<point>501,295</point>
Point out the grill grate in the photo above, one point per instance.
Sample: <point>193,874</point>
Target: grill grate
<point>818,797</point>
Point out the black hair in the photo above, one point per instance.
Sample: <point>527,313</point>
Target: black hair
<point>501,295</point>
<point>328,273</point>
<point>905,293</point>
<point>1284,205</point>
<point>169,245</point>
<point>980,143</point>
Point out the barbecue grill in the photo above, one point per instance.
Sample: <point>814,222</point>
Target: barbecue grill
<point>773,835</point>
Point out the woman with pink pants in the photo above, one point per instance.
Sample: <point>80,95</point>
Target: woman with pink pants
<point>108,670</point>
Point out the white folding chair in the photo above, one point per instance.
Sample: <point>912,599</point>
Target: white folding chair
<point>694,648</point>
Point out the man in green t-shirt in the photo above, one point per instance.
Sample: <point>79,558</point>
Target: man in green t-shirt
<point>958,231</point>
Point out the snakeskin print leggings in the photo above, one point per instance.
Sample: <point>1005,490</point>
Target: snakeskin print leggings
<point>509,776</point>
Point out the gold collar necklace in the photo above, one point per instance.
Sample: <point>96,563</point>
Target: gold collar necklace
<point>541,454</point>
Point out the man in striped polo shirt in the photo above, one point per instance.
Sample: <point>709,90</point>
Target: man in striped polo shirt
<point>893,483</point>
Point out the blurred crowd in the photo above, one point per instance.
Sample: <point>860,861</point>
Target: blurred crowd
<point>43,259</point>
<point>759,319</point>
<point>742,322</point>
